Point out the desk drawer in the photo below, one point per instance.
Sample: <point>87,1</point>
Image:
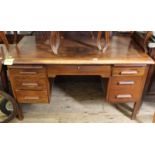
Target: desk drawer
<point>22,83</point>
<point>128,71</point>
<point>122,96</point>
<point>105,71</point>
<point>31,71</point>
<point>32,96</point>
<point>126,82</point>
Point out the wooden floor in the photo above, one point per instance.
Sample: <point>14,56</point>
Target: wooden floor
<point>81,99</point>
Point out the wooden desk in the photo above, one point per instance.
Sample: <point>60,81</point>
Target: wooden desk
<point>124,64</point>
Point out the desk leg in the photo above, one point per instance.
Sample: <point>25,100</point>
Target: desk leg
<point>138,104</point>
<point>4,79</point>
<point>20,115</point>
<point>136,108</point>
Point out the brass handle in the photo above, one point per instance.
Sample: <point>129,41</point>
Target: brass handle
<point>126,82</point>
<point>78,67</point>
<point>30,84</point>
<point>26,67</point>
<point>124,96</point>
<point>30,73</point>
<point>129,72</point>
<point>31,98</point>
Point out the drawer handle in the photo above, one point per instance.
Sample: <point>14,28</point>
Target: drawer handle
<point>78,67</point>
<point>31,73</point>
<point>129,72</point>
<point>26,67</point>
<point>124,96</point>
<point>31,98</point>
<point>126,82</point>
<point>30,84</point>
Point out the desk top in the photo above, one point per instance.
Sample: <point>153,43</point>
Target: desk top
<point>121,51</point>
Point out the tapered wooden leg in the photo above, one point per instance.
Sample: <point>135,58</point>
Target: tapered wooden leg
<point>15,37</point>
<point>107,41</point>
<point>136,109</point>
<point>20,115</point>
<point>92,35</point>
<point>55,41</point>
<point>107,37</point>
<point>4,39</point>
<point>4,79</point>
<point>99,40</point>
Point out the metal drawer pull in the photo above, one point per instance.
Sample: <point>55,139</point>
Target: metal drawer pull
<point>22,72</point>
<point>78,67</point>
<point>126,82</point>
<point>129,72</point>
<point>31,98</point>
<point>26,67</point>
<point>124,96</point>
<point>30,84</point>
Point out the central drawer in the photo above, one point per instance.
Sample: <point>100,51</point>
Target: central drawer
<point>54,70</point>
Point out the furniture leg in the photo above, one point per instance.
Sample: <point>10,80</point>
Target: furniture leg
<point>92,35</point>
<point>99,40</point>
<point>4,79</point>
<point>135,109</point>
<point>15,37</point>
<point>107,40</point>
<point>20,115</point>
<point>4,39</point>
<point>55,41</point>
<point>107,37</point>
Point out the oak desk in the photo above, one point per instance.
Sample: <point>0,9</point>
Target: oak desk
<point>124,64</point>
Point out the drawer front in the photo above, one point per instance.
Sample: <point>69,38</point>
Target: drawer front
<point>22,83</point>
<point>28,71</point>
<point>128,71</point>
<point>131,83</point>
<point>105,71</point>
<point>32,96</point>
<point>122,96</point>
